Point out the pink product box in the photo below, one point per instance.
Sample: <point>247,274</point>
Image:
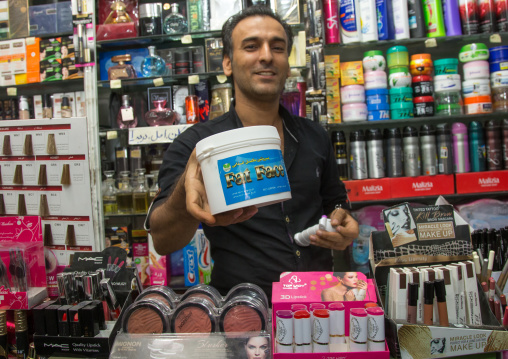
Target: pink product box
<point>321,287</point>
<point>23,279</point>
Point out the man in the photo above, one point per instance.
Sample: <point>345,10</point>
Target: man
<point>250,244</point>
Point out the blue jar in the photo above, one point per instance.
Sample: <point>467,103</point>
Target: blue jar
<point>377,96</point>
<point>378,115</point>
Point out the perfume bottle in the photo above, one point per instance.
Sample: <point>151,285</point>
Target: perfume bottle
<point>175,22</point>
<point>216,106</point>
<point>152,192</point>
<point>47,106</point>
<point>191,106</point>
<point>153,65</point>
<point>109,193</point>
<point>118,14</point>
<point>122,70</point>
<point>140,192</point>
<point>161,116</point>
<point>290,98</point>
<point>124,194</point>
<point>66,108</point>
<point>126,117</point>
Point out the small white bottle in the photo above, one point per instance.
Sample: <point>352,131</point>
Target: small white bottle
<point>368,19</point>
<point>400,19</point>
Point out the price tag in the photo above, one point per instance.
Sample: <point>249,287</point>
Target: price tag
<point>495,38</point>
<point>186,39</point>
<point>430,43</point>
<point>193,79</point>
<point>30,40</point>
<point>12,91</point>
<point>159,81</point>
<point>115,84</point>
<point>111,135</point>
<point>222,78</point>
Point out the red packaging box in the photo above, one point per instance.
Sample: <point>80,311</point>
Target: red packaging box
<point>403,187</point>
<point>489,181</point>
<point>368,189</point>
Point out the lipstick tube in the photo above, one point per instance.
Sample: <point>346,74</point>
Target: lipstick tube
<point>303,336</point>
<point>110,297</point>
<point>4,351</point>
<point>321,331</point>
<point>412,303</point>
<point>376,329</point>
<point>337,330</point>
<point>284,331</point>
<point>428,295</point>
<point>297,306</point>
<point>439,286</point>
<point>21,329</point>
<point>357,330</point>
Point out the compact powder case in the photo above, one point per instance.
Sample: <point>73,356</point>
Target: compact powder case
<point>194,315</point>
<point>206,292</point>
<point>162,293</point>
<point>250,290</point>
<point>146,316</point>
<point>243,314</point>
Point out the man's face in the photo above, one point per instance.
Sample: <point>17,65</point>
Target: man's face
<point>260,60</point>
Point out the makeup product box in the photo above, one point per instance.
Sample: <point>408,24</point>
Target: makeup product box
<point>50,49</point>
<point>33,59</point>
<point>214,54</point>
<point>80,104</point>
<point>43,19</point>
<point>64,17</point>
<point>23,251</point>
<point>57,105</point>
<point>403,187</point>
<point>351,73</point>
<point>38,106</point>
<point>5,54</point>
<point>167,56</point>
<point>18,56</point>
<point>4,19</point>
<point>479,182</point>
<point>159,93</point>
<point>159,273</point>
<point>332,66</point>
<point>310,287</point>
<point>18,18</point>
<point>368,189</point>
<point>179,94</point>
<point>316,107</point>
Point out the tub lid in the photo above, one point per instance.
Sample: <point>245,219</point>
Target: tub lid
<point>239,135</point>
<point>396,49</point>
<point>445,62</point>
<point>373,53</point>
<point>375,92</point>
<point>401,91</point>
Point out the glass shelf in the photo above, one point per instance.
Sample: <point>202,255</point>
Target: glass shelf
<point>155,39</point>
<point>415,122</point>
<point>151,81</point>
<point>125,215</point>
<point>38,88</point>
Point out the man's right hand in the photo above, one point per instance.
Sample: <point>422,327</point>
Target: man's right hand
<point>197,201</point>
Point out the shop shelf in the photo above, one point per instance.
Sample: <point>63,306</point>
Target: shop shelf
<point>152,81</point>
<point>415,122</point>
<point>38,88</point>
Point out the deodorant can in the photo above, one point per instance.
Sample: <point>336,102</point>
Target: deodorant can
<point>393,152</point>
<point>477,153</point>
<point>460,148</point>
<point>493,139</point>
<point>358,155</point>
<point>339,145</point>
<point>444,149</point>
<point>411,152</point>
<point>375,153</point>
<point>428,150</point>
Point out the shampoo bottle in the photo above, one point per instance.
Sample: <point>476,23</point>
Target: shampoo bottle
<point>368,20</point>
<point>400,19</point>
<point>416,19</point>
<point>385,26</point>
<point>433,10</point>
<point>452,18</point>
<point>349,21</point>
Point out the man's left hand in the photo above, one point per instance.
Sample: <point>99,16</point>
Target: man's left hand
<point>347,230</point>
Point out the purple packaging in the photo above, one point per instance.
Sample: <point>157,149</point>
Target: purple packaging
<point>452,18</point>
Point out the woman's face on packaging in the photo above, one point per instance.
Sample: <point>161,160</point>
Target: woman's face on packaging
<point>256,347</point>
<point>350,279</point>
<point>398,220</point>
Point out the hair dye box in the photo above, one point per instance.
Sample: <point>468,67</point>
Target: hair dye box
<point>318,287</point>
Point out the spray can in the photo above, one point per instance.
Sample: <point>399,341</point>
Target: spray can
<point>358,155</point>
<point>385,25</point>
<point>375,153</point>
<point>452,18</point>
<point>477,147</point>
<point>411,152</point>
<point>444,149</point>
<point>434,20</point>
<point>493,139</point>
<point>468,10</point>
<point>502,14</point>
<point>393,152</point>
<point>339,145</point>
<point>331,15</point>
<point>487,13</point>
<point>400,19</point>
<point>349,21</point>
<point>368,20</point>
<point>416,18</point>
<point>460,148</point>
<point>505,143</point>
<point>428,150</point>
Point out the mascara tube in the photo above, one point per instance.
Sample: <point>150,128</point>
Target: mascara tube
<point>21,329</point>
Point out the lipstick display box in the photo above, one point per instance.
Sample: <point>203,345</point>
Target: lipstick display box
<point>306,288</point>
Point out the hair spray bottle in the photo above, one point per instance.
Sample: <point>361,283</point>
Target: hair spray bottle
<point>460,148</point>
<point>331,17</point>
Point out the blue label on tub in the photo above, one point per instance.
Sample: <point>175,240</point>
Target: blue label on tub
<point>252,175</point>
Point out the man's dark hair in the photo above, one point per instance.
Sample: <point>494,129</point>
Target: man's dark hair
<point>260,10</point>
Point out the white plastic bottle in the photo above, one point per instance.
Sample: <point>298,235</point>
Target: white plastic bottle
<point>350,27</point>
<point>368,19</point>
<point>400,19</point>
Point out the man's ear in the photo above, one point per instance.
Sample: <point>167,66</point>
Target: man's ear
<point>226,65</point>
